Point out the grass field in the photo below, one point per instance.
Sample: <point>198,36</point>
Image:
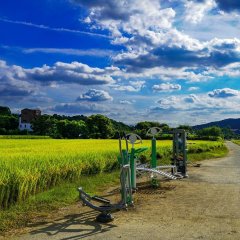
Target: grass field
<point>237,141</point>
<point>31,166</point>
<point>23,137</point>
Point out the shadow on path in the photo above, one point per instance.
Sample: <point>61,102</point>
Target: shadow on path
<point>75,226</point>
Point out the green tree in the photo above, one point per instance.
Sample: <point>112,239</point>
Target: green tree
<point>210,132</point>
<point>5,110</point>
<point>146,125</point>
<point>99,126</point>
<point>7,123</point>
<point>228,133</point>
<point>44,125</point>
<point>72,129</point>
<point>185,127</point>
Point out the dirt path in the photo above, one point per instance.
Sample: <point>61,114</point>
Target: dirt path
<point>205,206</point>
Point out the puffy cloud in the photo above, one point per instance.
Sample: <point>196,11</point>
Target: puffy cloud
<point>134,86</point>
<point>223,93</point>
<point>11,88</point>
<point>132,23</point>
<point>74,72</point>
<point>77,108</point>
<point>94,95</point>
<point>166,87</point>
<point>151,43</point>
<point>125,102</point>
<point>151,40</point>
<point>103,10</point>
<point>203,6</point>
<point>224,45</point>
<point>167,74</point>
<point>3,64</point>
<point>167,103</point>
<point>193,88</point>
<point>196,104</point>
<point>8,90</point>
<point>231,70</point>
<point>195,11</point>
<point>129,16</point>
<point>192,98</point>
<point>60,72</point>
<point>217,53</point>
<point>137,84</point>
<point>18,83</point>
<point>193,109</point>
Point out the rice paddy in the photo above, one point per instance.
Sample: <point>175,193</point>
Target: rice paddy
<point>29,166</point>
<point>237,141</point>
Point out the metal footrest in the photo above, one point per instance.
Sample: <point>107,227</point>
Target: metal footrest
<point>159,172</point>
<point>165,166</point>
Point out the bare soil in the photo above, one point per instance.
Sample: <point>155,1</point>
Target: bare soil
<point>204,206</point>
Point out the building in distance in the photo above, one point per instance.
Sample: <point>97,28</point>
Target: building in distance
<point>26,117</point>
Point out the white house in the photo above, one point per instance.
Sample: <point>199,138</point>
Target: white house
<point>26,117</point>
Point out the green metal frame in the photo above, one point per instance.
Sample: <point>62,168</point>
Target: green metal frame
<point>179,158</point>
<point>154,153</point>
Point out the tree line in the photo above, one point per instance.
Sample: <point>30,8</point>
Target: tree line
<point>98,126</point>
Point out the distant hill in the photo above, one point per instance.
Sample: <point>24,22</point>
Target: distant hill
<point>231,123</point>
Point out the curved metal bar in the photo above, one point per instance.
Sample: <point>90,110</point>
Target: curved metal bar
<point>86,199</point>
<point>153,131</point>
<point>133,138</point>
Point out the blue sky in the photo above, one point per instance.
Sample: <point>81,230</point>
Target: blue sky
<point>173,61</point>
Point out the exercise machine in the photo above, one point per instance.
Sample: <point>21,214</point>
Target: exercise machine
<point>128,160</point>
<point>106,207</point>
<point>144,168</point>
<point>133,139</point>
<point>179,157</point>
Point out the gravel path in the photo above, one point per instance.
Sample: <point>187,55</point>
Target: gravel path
<point>205,206</point>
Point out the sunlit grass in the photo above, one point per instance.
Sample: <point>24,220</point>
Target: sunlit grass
<point>236,141</point>
<point>29,166</point>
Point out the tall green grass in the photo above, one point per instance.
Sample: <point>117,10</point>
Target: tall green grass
<point>23,137</point>
<point>31,166</point>
<point>236,141</point>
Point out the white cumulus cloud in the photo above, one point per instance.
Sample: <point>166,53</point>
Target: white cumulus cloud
<point>223,93</point>
<point>95,95</point>
<point>166,87</point>
<point>195,11</point>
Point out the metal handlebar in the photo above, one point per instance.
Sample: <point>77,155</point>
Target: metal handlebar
<point>133,138</point>
<point>153,131</point>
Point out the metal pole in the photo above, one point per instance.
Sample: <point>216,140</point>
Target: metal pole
<point>133,168</point>
<point>185,153</point>
<point>154,154</point>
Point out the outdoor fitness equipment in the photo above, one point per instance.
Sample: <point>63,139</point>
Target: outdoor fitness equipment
<point>179,158</point>
<point>143,168</point>
<point>126,191</point>
<point>154,169</point>
<point>133,139</point>
<point>128,164</point>
<point>154,131</point>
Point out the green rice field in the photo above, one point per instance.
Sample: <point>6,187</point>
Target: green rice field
<point>29,166</point>
<point>237,141</point>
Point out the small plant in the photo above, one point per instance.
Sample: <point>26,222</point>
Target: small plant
<point>155,182</point>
